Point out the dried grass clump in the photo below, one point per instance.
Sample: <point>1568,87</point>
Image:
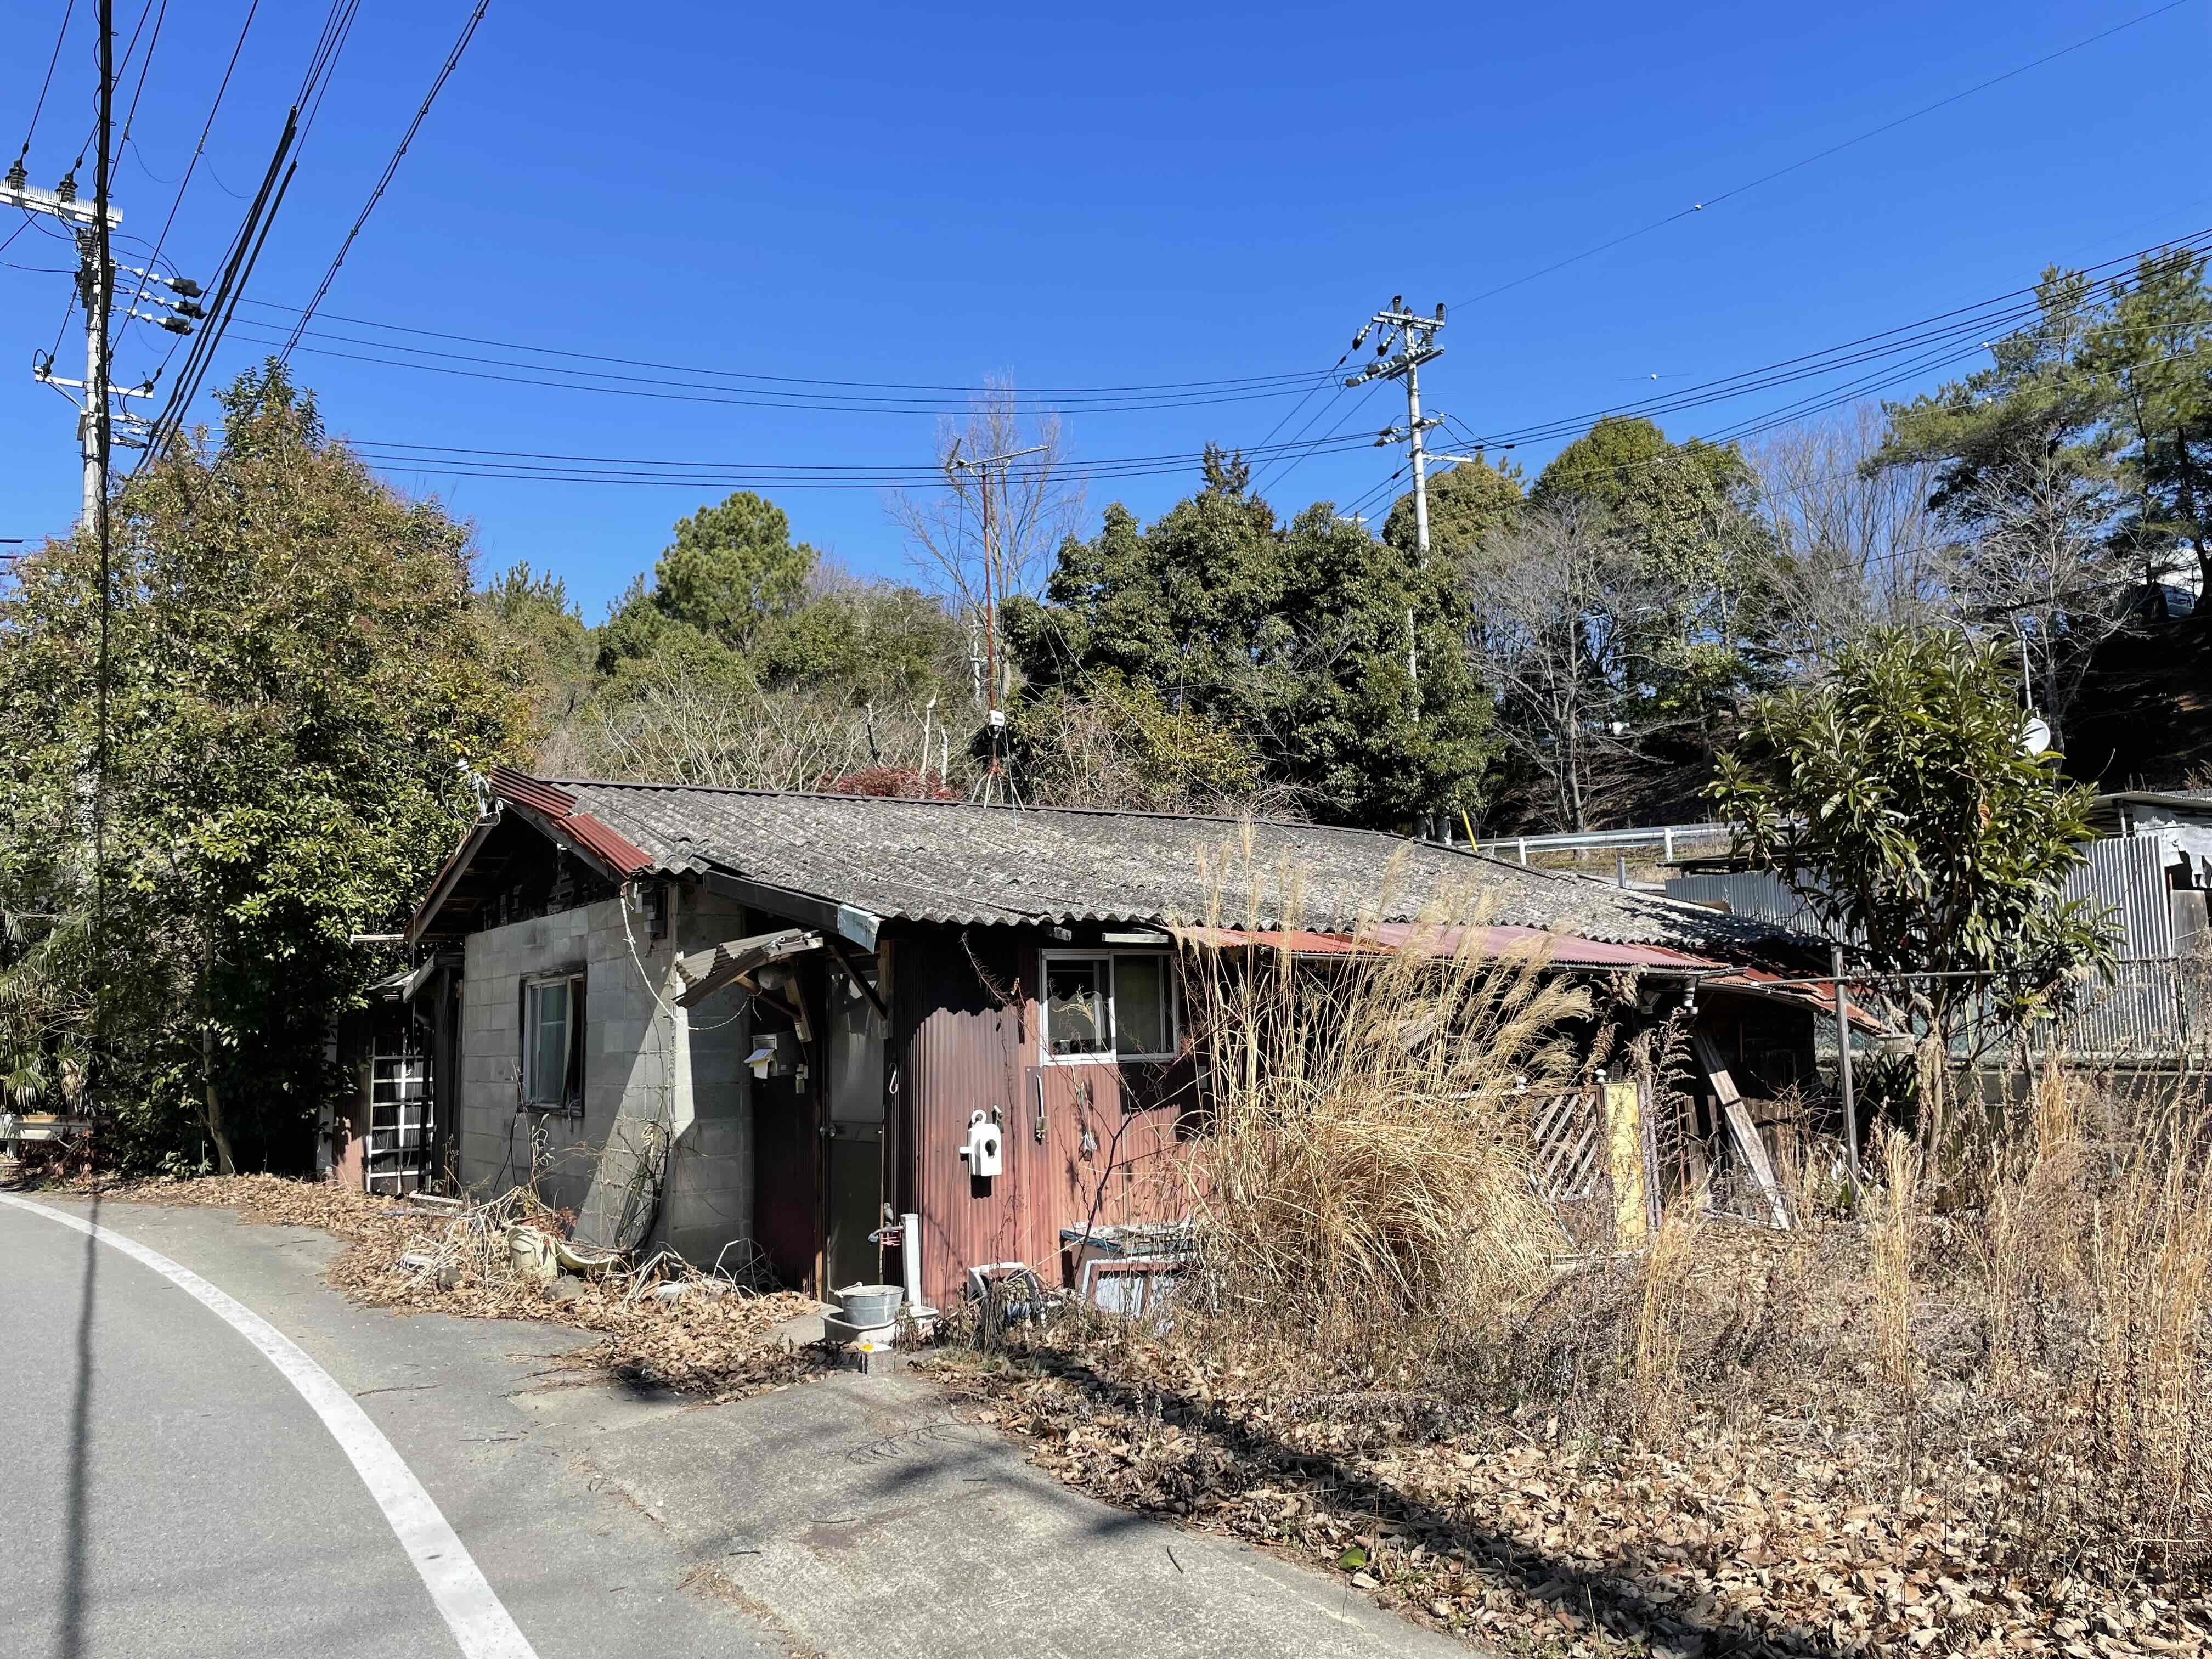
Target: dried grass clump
<point>2100,1324</point>
<point>1660,1319</point>
<point>1895,1225</point>
<point>1362,1176</point>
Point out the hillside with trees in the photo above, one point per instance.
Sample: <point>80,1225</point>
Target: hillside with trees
<point>1575,653</point>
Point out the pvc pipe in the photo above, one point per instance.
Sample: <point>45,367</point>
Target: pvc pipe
<point>910,1257</point>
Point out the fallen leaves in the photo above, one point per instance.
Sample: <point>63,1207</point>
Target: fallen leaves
<point>1724,1540</point>
<point>722,1344</point>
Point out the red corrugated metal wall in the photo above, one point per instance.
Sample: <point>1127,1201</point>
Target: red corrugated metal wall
<point>962,1051</point>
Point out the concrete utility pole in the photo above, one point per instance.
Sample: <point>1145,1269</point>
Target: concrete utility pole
<point>1415,338</point>
<point>94,283</point>
<point>89,224</point>
<point>98,426</point>
<point>995,670</point>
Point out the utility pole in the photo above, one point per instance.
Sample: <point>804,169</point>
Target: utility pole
<point>89,223</point>
<point>994,716</point>
<point>95,281</point>
<point>1415,339</point>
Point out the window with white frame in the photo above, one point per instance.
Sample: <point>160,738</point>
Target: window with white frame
<point>553,1042</point>
<point>1109,1005</point>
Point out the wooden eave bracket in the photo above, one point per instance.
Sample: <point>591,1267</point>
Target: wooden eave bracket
<point>735,961</point>
<point>838,950</point>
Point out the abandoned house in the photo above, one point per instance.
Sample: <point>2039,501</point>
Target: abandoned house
<point>754,1027</point>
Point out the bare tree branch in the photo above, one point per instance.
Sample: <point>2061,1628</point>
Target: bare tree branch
<point>1035,503</point>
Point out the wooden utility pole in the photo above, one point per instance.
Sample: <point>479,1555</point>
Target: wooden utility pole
<point>994,675</point>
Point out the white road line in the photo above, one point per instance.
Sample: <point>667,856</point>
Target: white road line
<point>472,1610</point>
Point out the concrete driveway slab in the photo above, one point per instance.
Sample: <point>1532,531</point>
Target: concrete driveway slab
<point>871,1521</point>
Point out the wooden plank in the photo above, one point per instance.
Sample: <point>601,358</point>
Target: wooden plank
<point>1624,1123</point>
<point>1745,1134</point>
<point>735,961</point>
<point>853,972</point>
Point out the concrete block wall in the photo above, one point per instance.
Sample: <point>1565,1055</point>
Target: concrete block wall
<point>642,1067</point>
<point>707,1198</point>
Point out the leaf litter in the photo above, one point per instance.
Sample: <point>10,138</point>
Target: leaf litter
<point>703,1335</point>
<point>1770,1537</point>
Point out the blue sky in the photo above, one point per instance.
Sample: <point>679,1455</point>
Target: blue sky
<point>1139,194</point>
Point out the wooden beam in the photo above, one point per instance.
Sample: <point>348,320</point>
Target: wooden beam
<point>1740,1127</point>
<point>792,1010</point>
<point>706,972</point>
<point>858,925</point>
<point>853,972</point>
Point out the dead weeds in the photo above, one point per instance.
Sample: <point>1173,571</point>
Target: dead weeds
<point>1776,1502</point>
<point>715,1341</point>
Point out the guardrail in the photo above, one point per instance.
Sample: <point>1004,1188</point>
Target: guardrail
<point>1666,837</point>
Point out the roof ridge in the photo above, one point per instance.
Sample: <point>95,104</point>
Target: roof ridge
<point>987,806</point>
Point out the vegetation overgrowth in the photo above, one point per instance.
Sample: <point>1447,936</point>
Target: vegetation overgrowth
<point>1968,1420</point>
<point>304,664</point>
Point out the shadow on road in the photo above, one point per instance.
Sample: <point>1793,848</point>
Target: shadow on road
<point>69,1630</point>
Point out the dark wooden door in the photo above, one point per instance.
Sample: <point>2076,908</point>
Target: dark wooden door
<point>854,1143</point>
<point>785,1184</point>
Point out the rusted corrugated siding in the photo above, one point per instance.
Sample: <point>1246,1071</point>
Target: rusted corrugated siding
<point>962,1052</point>
<point>958,1048</point>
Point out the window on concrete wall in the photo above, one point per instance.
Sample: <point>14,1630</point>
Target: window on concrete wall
<point>553,1044</point>
<point>1109,1005</point>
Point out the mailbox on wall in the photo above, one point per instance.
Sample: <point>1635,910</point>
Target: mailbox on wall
<point>982,1149</point>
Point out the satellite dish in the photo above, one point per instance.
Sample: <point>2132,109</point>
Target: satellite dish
<point>2035,736</point>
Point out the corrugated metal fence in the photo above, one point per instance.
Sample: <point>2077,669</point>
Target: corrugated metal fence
<point>2145,1011</point>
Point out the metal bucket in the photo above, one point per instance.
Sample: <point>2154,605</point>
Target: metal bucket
<point>870,1304</point>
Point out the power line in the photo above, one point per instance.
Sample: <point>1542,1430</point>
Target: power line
<point>131,115</point>
<point>1969,323</point>
<point>52,59</point>
<point>1980,319</point>
<point>453,61</point>
<point>1899,354</point>
<point>538,466</point>
<point>185,180</point>
<point>253,232</point>
<point>660,388</point>
<point>1322,376</point>
<point>1285,468</point>
<point>1696,208</point>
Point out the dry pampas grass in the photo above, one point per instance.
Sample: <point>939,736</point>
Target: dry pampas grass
<point>1363,1176</point>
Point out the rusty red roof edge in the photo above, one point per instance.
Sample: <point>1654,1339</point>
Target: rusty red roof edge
<point>617,852</point>
<point>534,792</point>
<point>613,849</point>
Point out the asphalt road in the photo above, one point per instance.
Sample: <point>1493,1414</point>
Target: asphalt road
<point>164,1490</point>
<point>167,1491</point>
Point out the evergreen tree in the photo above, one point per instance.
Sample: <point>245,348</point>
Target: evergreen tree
<point>299,676</point>
<point>1293,639</point>
<point>732,568</point>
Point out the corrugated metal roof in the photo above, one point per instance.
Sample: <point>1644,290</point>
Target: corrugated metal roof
<point>950,861</point>
<point>1565,950</point>
<point>1559,949</point>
